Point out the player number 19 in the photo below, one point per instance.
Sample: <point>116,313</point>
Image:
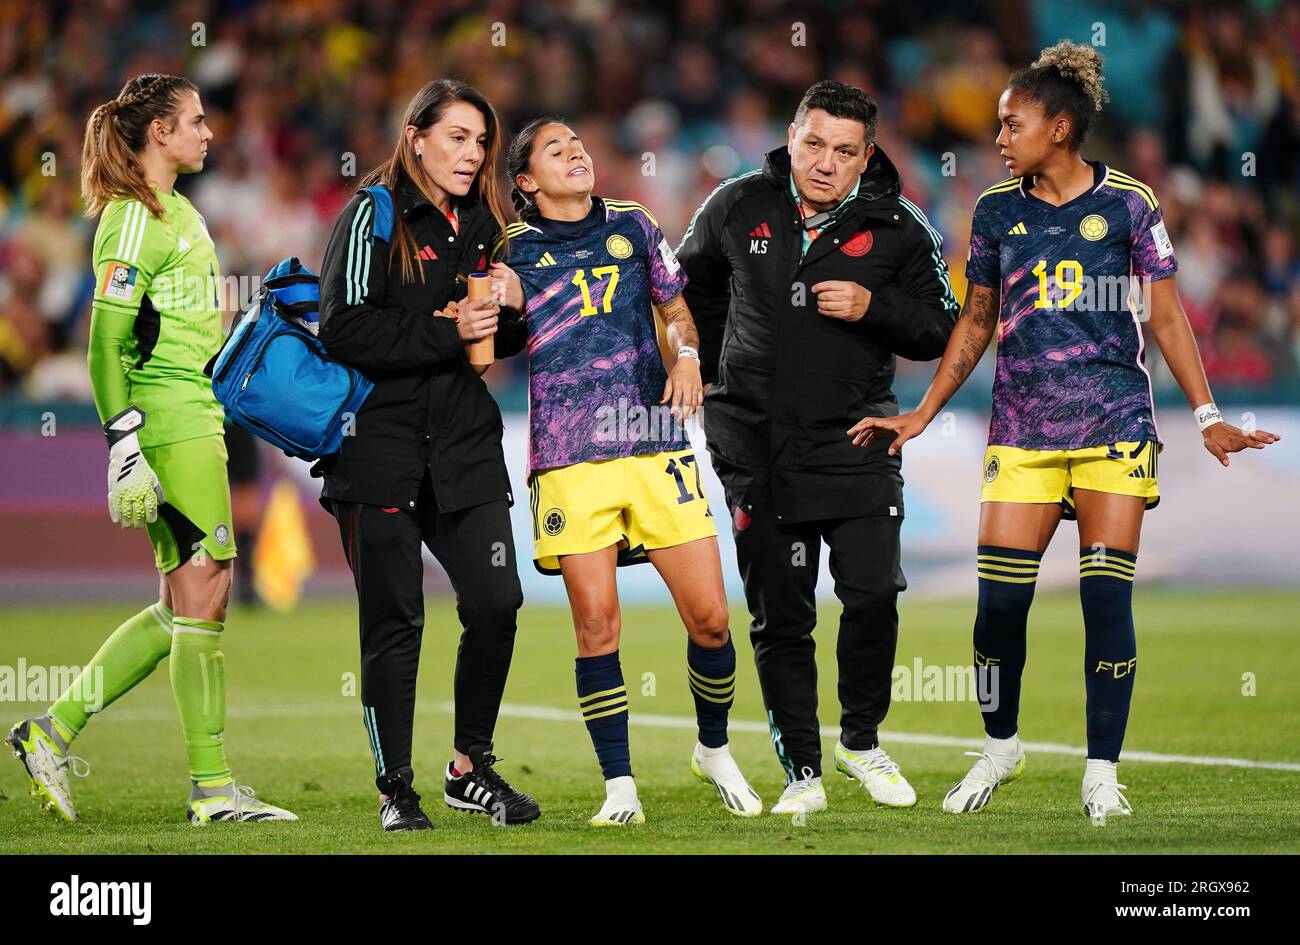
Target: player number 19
<point>1069,276</point>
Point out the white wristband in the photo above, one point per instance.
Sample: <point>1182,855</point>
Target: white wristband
<point>1207,415</point>
<point>686,351</point>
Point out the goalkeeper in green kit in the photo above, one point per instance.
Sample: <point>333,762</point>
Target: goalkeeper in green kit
<point>156,321</point>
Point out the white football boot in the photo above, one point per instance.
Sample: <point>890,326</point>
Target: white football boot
<point>1102,793</point>
<point>43,750</point>
<point>992,769</point>
<point>717,767</point>
<point>878,773</point>
<point>231,801</point>
<point>621,806</point>
<point>805,796</point>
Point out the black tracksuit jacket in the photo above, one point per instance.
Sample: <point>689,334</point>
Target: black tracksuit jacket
<point>786,381</point>
<point>428,408</point>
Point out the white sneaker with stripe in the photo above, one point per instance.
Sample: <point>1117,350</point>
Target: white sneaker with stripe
<point>990,771</point>
<point>230,802</point>
<point>878,773</point>
<point>621,805</point>
<point>716,766</point>
<point>805,796</point>
<point>1102,794</point>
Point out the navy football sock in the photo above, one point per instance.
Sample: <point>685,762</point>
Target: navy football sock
<point>1006,589</point>
<point>711,674</point>
<point>1110,651</point>
<point>602,697</point>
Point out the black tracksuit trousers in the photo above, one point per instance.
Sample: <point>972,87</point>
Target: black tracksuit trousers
<point>476,548</point>
<point>779,565</point>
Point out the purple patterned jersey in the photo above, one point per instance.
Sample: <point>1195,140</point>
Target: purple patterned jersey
<point>1070,370</point>
<point>596,374</point>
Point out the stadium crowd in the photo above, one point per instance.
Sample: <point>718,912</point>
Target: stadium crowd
<point>304,96</point>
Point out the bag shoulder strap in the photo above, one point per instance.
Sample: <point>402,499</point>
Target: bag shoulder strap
<point>383,200</point>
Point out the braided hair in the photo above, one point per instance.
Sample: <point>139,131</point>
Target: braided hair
<point>116,134</point>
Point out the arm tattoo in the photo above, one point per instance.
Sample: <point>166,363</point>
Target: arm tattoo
<point>678,324</point>
<point>984,308</point>
<point>961,369</point>
<point>982,311</point>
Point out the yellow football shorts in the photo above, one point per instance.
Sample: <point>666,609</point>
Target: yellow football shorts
<point>1015,475</point>
<point>639,503</point>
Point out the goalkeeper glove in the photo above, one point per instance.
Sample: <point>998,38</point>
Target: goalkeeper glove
<point>134,492</point>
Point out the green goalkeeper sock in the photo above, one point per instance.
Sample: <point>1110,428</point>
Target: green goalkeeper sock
<point>129,655</point>
<point>198,671</point>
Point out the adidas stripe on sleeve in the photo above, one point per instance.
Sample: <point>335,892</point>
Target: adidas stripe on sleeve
<point>130,249</point>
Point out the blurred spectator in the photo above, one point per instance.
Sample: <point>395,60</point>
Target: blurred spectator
<point>25,336</point>
<point>1232,88</point>
<point>670,98</point>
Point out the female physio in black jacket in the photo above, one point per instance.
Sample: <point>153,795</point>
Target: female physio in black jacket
<point>423,462</point>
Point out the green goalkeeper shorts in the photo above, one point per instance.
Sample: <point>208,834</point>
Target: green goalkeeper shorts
<point>194,517</point>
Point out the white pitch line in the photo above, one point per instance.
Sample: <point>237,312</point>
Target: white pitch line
<point>544,713</point>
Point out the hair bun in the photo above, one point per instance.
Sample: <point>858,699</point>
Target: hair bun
<point>1079,63</point>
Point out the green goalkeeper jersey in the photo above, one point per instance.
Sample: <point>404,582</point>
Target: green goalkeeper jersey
<point>157,299</point>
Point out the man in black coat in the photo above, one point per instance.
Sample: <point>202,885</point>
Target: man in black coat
<point>807,278</point>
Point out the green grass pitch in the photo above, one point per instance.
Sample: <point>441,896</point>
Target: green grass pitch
<point>295,734</point>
